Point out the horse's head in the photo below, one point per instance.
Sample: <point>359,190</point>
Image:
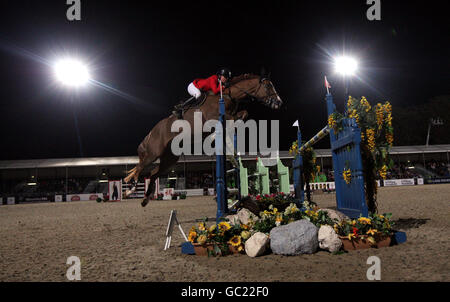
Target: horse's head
<point>257,88</point>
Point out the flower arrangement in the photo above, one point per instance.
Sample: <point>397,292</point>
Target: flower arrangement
<point>277,200</point>
<point>347,175</point>
<point>272,218</point>
<point>373,228</point>
<point>222,236</point>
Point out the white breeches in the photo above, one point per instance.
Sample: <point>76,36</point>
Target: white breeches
<point>194,91</point>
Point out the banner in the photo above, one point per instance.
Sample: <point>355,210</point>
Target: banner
<point>31,199</point>
<point>403,182</point>
<point>11,200</point>
<point>168,192</point>
<point>83,197</point>
<point>443,180</point>
<point>115,190</point>
<point>58,198</point>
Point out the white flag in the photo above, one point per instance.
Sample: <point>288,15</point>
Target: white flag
<point>295,124</point>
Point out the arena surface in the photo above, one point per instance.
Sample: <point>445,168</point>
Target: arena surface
<point>124,242</point>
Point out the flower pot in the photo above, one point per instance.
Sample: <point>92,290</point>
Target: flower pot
<point>383,241</point>
<point>202,249</point>
<point>355,244</point>
<point>234,249</point>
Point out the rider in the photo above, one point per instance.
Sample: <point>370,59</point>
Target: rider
<point>209,84</point>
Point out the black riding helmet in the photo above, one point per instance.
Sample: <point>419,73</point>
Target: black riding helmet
<point>224,72</point>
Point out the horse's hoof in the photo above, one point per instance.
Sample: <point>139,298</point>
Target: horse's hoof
<point>145,202</point>
<point>128,193</point>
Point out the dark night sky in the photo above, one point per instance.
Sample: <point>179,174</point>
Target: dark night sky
<point>152,50</point>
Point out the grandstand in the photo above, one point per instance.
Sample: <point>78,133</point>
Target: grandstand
<point>43,179</point>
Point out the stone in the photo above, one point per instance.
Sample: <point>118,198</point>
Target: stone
<point>245,216</point>
<point>299,237</point>
<point>257,244</point>
<point>334,214</point>
<point>233,219</point>
<point>328,239</point>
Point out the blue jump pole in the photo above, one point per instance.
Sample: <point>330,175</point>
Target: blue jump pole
<point>220,163</point>
<point>236,169</point>
<point>297,166</point>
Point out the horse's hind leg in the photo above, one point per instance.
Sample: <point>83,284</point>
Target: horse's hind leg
<point>166,161</point>
<point>133,176</point>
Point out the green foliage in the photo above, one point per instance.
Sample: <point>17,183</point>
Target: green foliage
<point>264,225</point>
<point>374,225</point>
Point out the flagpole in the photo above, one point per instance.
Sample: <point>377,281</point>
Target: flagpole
<point>327,85</point>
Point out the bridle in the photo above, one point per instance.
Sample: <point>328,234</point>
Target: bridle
<point>267,86</point>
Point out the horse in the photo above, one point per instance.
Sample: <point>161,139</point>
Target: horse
<point>156,145</point>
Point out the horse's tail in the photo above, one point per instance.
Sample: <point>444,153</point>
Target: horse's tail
<point>130,175</point>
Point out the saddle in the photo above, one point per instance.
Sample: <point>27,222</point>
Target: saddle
<point>192,102</point>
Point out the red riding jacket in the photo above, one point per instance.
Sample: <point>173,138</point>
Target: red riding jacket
<point>211,83</point>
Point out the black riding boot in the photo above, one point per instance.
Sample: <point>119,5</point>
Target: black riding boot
<point>178,111</point>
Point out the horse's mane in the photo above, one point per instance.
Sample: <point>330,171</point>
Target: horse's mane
<point>245,76</point>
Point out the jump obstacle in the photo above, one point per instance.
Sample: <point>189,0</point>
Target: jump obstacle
<point>345,148</point>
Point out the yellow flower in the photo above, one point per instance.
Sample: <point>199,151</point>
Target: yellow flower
<point>201,239</point>
<point>350,236</point>
<point>347,175</point>
<point>244,226</point>
<point>380,115</point>
<point>383,172</point>
<point>212,228</point>
<point>332,122</point>
<point>235,240</point>
<point>192,235</point>
<point>365,104</point>
<point>294,148</point>
<point>224,226</point>
<point>201,226</point>
<point>279,218</point>
<point>349,102</point>
<point>390,138</point>
<point>370,133</point>
<point>240,248</point>
<point>245,235</point>
<point>364,220</point>
<point>354,114</point>
<point>372,232</point>
<point>371,240</point>
<point>353,222</point>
